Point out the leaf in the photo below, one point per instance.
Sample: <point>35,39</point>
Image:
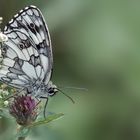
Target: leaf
<point>47,120</point>
<point>5,113</point>
<point>23,131</point>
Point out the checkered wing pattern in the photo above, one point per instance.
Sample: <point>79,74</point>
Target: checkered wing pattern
<point>27,55</point>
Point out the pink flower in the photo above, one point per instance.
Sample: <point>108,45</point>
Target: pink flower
<point>24,109</point>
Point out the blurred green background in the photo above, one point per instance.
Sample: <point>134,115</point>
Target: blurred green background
<point>96,45</point>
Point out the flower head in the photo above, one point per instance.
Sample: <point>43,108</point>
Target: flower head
<point>24,109</point>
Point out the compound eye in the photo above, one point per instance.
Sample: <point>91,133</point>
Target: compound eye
<point>51,91</point>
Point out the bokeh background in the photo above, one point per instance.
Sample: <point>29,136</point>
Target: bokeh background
<point>96,45</point>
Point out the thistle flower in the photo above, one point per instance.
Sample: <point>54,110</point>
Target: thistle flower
<point>24,109</point>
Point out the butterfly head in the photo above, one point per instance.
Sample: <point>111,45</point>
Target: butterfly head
<point>51,89</point>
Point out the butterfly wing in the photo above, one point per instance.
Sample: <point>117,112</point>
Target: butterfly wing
<point>27,55</point>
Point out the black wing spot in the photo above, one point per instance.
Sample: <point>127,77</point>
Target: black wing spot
<point>34,60</point>
<point>4,50</point>
<point>34,28</point>
<point>37,28</point>
<point>15,71</point>
<point>21,45</point>
<point>6,79</point>
<point>32,25</point>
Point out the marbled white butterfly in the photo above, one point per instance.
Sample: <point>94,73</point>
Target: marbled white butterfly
<point>27,55</point>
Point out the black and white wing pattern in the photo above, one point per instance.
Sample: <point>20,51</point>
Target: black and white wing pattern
<point>27,55</point>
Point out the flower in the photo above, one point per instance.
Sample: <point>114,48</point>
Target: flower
<point>6,103</point>
<point>24,109</point>
<point>3,95</point>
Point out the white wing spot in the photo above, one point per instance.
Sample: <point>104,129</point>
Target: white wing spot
<point>26,8</point>
<point>29,70</point>
<point>44,61</point>
<point>29,12</point>
<point>32,6</point>
<point>8,62</point>
<point>11,21</point>
<point>16,15</point>
<point>21,11</point>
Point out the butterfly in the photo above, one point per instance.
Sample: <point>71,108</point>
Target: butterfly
<point>27,62</point>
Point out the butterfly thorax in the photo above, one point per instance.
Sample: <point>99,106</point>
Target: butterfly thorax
<point>41,90</point>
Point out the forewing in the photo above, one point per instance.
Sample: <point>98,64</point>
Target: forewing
<point>27,55</point>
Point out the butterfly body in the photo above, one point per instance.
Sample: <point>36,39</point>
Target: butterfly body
<point>27,54</point>
<point>42,90</point>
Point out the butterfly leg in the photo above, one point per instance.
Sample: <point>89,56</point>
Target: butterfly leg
<point>45,106</point>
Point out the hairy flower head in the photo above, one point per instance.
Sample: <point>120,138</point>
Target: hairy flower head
<point>24,109</point>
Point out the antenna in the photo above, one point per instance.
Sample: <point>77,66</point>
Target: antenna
<point>77,88</point>
<point>66,95</point>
